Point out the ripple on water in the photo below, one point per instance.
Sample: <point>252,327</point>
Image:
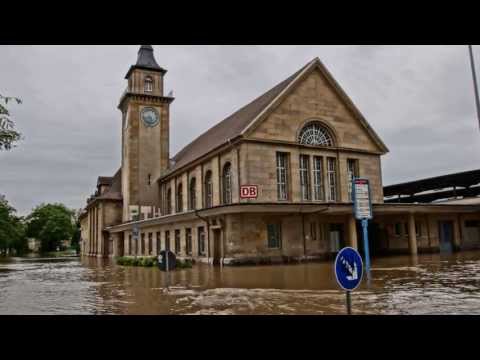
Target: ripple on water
<point>431,286</point>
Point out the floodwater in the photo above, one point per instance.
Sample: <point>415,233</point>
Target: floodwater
<point>427,284</point>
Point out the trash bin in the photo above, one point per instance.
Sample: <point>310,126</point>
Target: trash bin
<point>162,260</point>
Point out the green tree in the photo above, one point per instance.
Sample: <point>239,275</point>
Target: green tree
<point>51,224</point>
<point>12,230</point>
<point>76,232</point>
<point>8,135</point>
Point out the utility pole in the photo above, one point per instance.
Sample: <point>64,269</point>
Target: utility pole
<point>475,85</point>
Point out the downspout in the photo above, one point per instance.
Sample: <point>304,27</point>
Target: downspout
<point>224,239</point>
<point>303,234</point>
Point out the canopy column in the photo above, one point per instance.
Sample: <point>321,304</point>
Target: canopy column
<point>412,235</point>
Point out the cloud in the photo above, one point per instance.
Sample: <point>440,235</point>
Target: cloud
<point>419,99</point>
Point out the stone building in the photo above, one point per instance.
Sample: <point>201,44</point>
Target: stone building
<point>296,147</point>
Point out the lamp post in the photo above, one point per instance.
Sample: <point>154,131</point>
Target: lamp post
<point>475,85</point>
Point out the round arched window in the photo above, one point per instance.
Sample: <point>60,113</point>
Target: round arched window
<point>208,189</point>
<point>148,86</point>
<point>227,184</point>
<point>314,133</point>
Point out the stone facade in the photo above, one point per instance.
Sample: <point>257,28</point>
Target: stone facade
<point>97,216</point>
<point>145,154</point>
<point>196,205</point>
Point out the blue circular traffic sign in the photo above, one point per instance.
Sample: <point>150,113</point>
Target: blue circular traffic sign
<point>348,268</point>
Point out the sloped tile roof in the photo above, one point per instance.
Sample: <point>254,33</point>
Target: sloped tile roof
<point>230,127</point>
<point>104,180</point>
<point>115,191</point>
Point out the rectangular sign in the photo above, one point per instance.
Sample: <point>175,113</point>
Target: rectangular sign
<point>135,233</point>
<point>248,191</point>
<point>361,199</point>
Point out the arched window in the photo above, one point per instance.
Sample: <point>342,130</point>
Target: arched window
<point>208,189</point>
<point>169,201</point>
<point>179,199</point>
<point>314,133</point>
<point>227,184</point>
<point>148,84</point>
<point>193,194</point>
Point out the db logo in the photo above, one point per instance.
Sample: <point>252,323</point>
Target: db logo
<point>248,191</point>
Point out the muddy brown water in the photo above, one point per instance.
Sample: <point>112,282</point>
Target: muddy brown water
<point>427,284</point>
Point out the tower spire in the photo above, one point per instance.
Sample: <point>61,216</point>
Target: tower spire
<point>146,60</point>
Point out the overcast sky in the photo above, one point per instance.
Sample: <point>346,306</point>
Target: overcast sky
<point>419,99</point>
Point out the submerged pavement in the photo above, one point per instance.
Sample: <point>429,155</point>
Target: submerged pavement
<point>427,284</point>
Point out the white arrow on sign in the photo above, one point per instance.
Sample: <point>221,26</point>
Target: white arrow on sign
<point>353,271</point>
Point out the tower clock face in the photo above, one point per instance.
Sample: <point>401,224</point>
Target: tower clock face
<point>150,116</point>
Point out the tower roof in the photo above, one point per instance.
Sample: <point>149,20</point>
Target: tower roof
<point>146,60</point>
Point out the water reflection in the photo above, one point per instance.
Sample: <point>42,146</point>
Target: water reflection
<point>426,284</point>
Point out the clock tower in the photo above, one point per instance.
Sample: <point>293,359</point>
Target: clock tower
<point>145,132</point>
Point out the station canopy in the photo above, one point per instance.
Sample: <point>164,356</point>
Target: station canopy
<point>464,184</point>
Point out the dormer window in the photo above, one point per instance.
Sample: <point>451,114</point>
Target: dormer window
<point>148,84</point>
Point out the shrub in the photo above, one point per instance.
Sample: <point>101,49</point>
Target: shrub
<point>138,261</point>
<point>184,264</point>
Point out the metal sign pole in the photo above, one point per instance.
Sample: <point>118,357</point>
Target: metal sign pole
<point>475,85</point>
<point>348,272</point>
<point>166,267</point>
<point>366,246</point>
<point>362,207</point>
<point>349,302</point>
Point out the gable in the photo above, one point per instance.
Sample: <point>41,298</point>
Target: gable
<point>316,96</point>
<point>311,92</point>
<point>230,127</point>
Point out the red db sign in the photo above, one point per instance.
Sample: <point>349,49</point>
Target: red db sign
<point>248,191</point>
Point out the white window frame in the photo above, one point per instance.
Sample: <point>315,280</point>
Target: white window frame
<point>332,179</point>
<point>208,184</point>
<point>317,169</point>
<point>305,177</point>
<point>227,184</point>
<point>352,171</point>
<point>282,176</point>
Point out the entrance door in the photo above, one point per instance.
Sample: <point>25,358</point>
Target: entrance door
<point>121,249</point>
<point>446,236</point>
<point>336,237</point>
<point>216,246</point>
<point>471,237</point>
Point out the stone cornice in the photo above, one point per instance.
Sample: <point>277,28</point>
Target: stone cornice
<point>293,208</point>
<point>148,68</point>
<point>99,199</point>
<point>310,147</point>
<point>144,97</point>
